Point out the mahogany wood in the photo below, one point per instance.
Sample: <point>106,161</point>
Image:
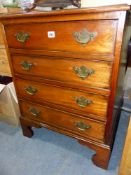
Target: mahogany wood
<point>64,120</point>
<point>57,87</point>
<point>27,130</point>
<point>60,69</point>
<point>109,9</point>
<point>69,55</point>
<point>101,161</point>
<point>64,40</point>
<point>27,127</point>
<point>116,86</point>
<point>63,97</point>
<point>100,91</point>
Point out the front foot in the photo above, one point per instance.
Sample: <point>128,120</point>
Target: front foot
<point>26,129</point>
<point>102,156</point>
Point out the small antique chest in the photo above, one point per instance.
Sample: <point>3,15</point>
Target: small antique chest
<point>66,68</point>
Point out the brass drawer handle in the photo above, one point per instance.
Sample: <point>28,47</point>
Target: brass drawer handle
<point>83,37</point>
<point>82,126</point>
<point>82,101</point>
<point>83,72</point>
<point>26,66</point>
<point>30,90</point>
<point>34,112</point>
<point>22,37</point>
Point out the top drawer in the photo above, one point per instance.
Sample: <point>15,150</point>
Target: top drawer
<point>82,37</point>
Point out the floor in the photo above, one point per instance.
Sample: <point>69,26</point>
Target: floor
<point>50,153</point>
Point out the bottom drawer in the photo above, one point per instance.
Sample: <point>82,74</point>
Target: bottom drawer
<point>79,125</point>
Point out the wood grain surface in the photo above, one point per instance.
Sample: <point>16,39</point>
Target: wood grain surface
<point>62,69</point>
<point>63,97</point>
<point>63,120</point>
<point>59,91</point>
<point>64,40</point>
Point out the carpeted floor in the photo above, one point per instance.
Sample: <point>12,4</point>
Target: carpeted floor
<point>50,153</point>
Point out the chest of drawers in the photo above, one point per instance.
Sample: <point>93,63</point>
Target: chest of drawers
<point>65,66</point>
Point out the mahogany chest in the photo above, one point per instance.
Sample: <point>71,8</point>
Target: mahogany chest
<point>65,67</point>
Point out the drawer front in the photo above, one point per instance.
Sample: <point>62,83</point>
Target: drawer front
<point>82,102</point>
<point>79,125</point>
<point>72,71</point>
<point>87,37</point>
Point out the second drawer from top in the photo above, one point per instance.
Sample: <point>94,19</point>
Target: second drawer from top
<point>78,72</point>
